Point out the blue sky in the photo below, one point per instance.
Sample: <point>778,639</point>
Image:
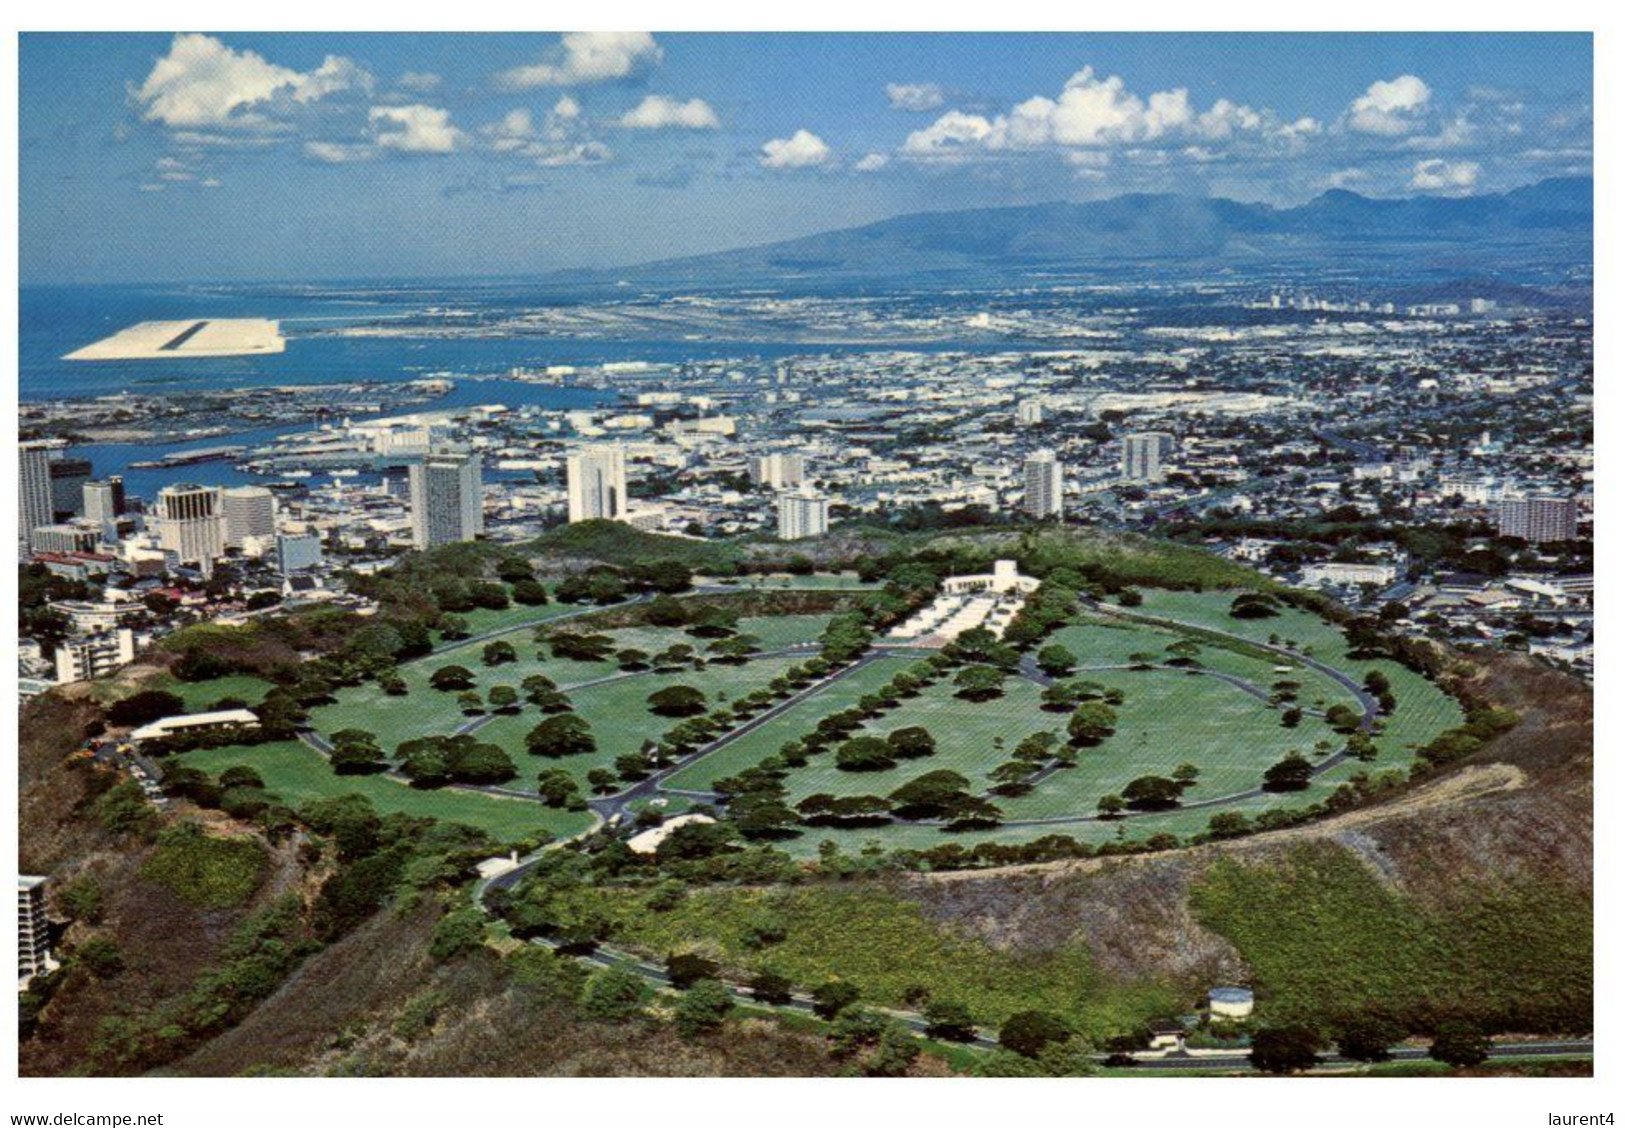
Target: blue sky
<point>290,156</point>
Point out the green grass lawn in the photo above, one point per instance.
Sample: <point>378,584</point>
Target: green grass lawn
<point>1168,718</point>
<point>201,696</point>
<point>619,715</point>
<point>753,746</point>
<point>297,773</point>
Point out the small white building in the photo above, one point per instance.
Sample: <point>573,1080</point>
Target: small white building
<point>196,722</point>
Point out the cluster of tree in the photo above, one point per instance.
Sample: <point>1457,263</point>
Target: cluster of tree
<point>434,761</point>
<point>1050,606</point>
<point>606,583</point>
<point>1254,605</point>
<point>356,752</point>
<point>1065,696</point>
<point>1292,773</point>
<point>1032,755</point>
<point>1367,1038</point>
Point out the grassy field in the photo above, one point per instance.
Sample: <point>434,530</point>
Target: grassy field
<point>884,946</point>
<point>1168,718</point>
<point>794,722</point>
<point>296,773</point>
<point>619,715</point>
<point>201,696</point>
<point>428,712</point>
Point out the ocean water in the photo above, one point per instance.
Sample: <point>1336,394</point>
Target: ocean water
<point>55,320</point>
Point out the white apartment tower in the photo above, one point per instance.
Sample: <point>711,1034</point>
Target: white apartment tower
<point>1044,479</point>
<point>1143,453</point>
<point>91,656</point>
<point>597,484</point>
<point>1539,520</point>
<point>1030,412</point>
<point>249,511</point>
<point>189,523</point>
<point>33,931</point>
<point>803,513</point>
<point>446,502</point>
<point>34,502</point>
<point>778,471</point>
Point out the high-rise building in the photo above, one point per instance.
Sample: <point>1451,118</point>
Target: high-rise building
<point>68,478</point>
<point>33,931</point>
<point>778,471</point>
<point>1540,520</point>
<point>189,523</point>
<point>1044,479</point>
<point>1143,455</point>
<point>65,538</point>
<point>597,483</point>
<point>1030,412</point>
<point>34,501</point>
<point>446,502</point>
<point>296,552</point>
<point>248,511</point>
<point>91,656</point>
<point>803,513</point>
<point>104,500</point>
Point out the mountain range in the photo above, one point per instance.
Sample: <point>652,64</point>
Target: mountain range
<point>1541,232</point>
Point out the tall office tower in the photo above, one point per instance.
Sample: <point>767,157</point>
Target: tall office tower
<point>1143,455</point>
<point>1030,413</point>
<point>778,471</point>
<point>33,931</point>
<point>803,513</point>
<point>189,523</point>
<point>249,511</point>
<point>68,478</point>
<point>446,502</point>
<point>104,499</point>
<point>597,483</point>
<point>1044,479</point>
<point>34,503</point>
<point>1540,520</point>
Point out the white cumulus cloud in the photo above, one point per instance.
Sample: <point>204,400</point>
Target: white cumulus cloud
<point>914,97</point>
<point>657,111</point>
<point>420,82</point>
<point>587,57</point>
<point>800,150</point>
<point>1449,177</point>
<point>202,83</point>
<point>1389,107</point>
<point>556,141</point>
<point>414,129</point>
<point>1090,111</point>
<point>872,162</point>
